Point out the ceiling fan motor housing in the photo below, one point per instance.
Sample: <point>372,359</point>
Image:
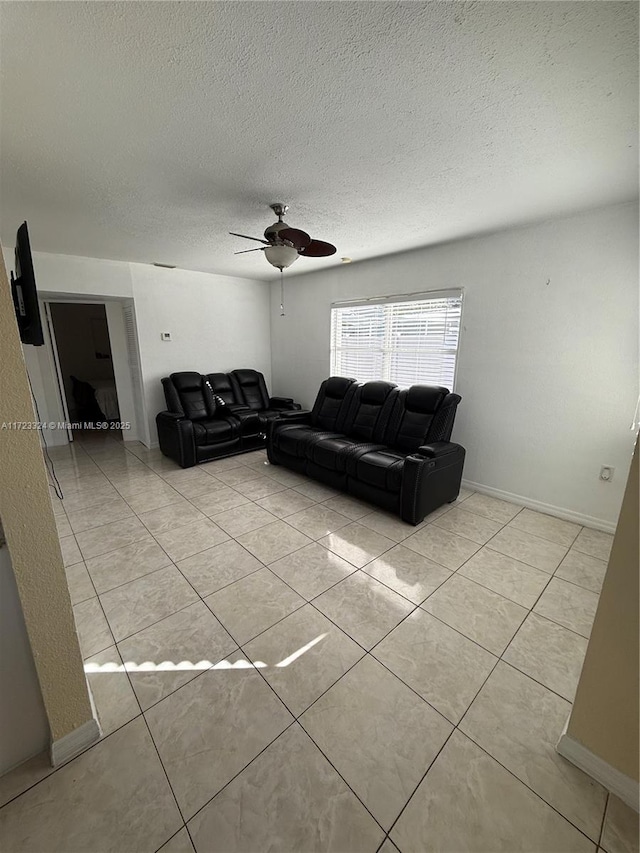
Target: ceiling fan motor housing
<point>271,233</point>
<point>280,209</point>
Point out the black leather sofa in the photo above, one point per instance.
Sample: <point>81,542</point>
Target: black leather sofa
<point>377,443</point>
<point>216,415</point>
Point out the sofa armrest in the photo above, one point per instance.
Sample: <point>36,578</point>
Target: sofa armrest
<point>175,434</point>
<point>437,449</point>
<point>431,477</point>
<point>286,403</point>
<point>284,417</point>
<point>299,416</point>
<point>169,418</point>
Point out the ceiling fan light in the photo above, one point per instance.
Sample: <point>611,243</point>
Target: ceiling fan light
<point>281,256</point>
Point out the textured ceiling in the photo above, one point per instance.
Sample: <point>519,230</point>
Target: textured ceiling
<point>145,131</point>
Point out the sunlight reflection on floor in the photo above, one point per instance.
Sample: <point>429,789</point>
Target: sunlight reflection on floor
<point>185,665</point>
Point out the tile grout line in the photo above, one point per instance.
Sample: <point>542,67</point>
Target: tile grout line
<point>341,630</point>
<point>413,610</point>
<point>148,728</point>
<point>177,567</point>
<point>456,727</point>
<point>370,653</point>
<point>200,597</point>
<point>175,834</point>
<point>421,780</point>
<point>539,796</point>
<point>604,819</point>
<point>532,608</point>
<point>166,775</point>
<point>142,714</point>
<point>506,523</point>
<point>526,675</point>
<point>295,718</point>
<point>499,659</point>
<point>419,606</point>
<point>366,652</point>
<point>235,776</point>
<point>172,563</point>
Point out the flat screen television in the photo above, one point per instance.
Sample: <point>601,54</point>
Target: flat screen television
<point>25,294</point>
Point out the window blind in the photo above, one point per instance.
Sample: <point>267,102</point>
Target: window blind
<point>408,341</point>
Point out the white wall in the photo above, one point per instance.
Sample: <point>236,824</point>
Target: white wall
<point>44,386</point>
<point>91,277</point>
<point>121,371</point>
<point>217,323</point>
<point>24,730</point>
<point>548,366</point>
<point>66,276</point>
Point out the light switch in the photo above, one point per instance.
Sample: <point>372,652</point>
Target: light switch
<point>165,336</point>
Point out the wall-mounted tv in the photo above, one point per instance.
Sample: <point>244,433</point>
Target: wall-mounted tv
<point>25,294</point>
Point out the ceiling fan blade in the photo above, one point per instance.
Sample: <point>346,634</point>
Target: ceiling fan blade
<point>298,239</point>
<point>246,237</point>
<point>244,251</point>
<point>318,249</point>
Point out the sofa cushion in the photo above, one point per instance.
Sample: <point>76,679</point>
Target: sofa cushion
<point>172,397</point>
<point>369,412</point>
<point>332,403</point>
<point>249,388</point>
<point>333,452</point>
<point>293,439</point>
<point>380,468</point>
<point>195,396</point>
<point>330,453</point>
<point>222,388</point>
<point>412,416</point>
<point>214,430</point>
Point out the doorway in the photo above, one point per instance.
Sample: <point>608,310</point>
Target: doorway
<point>81,339</point>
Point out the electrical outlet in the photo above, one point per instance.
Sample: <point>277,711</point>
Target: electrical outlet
<point>606,473</point>
<point>165,336</point>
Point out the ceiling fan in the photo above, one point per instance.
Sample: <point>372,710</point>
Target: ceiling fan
<point>284,245</point>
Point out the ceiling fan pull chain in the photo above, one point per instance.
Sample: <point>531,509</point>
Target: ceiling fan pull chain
<point>281,293</point>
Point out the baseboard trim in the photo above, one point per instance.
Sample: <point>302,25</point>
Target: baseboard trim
<point>68,746</point>
<point>550,509</point>
<point>627,789</point>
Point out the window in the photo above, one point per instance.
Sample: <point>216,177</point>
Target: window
<point>406,341</point>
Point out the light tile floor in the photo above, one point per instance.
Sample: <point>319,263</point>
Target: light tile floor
<point>280,667</point>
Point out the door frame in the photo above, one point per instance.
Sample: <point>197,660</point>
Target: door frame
<point>137,431</point>
<point>57,369</point>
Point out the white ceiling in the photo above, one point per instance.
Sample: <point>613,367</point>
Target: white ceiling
<point>145,131</point>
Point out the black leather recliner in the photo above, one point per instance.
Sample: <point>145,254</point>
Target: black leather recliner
<point>378,443</point>
<point>216,415</point>
<point>250,389</point>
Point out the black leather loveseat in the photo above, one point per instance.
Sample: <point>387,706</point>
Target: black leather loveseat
<point>219,414</point>
<point>378,443</point>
